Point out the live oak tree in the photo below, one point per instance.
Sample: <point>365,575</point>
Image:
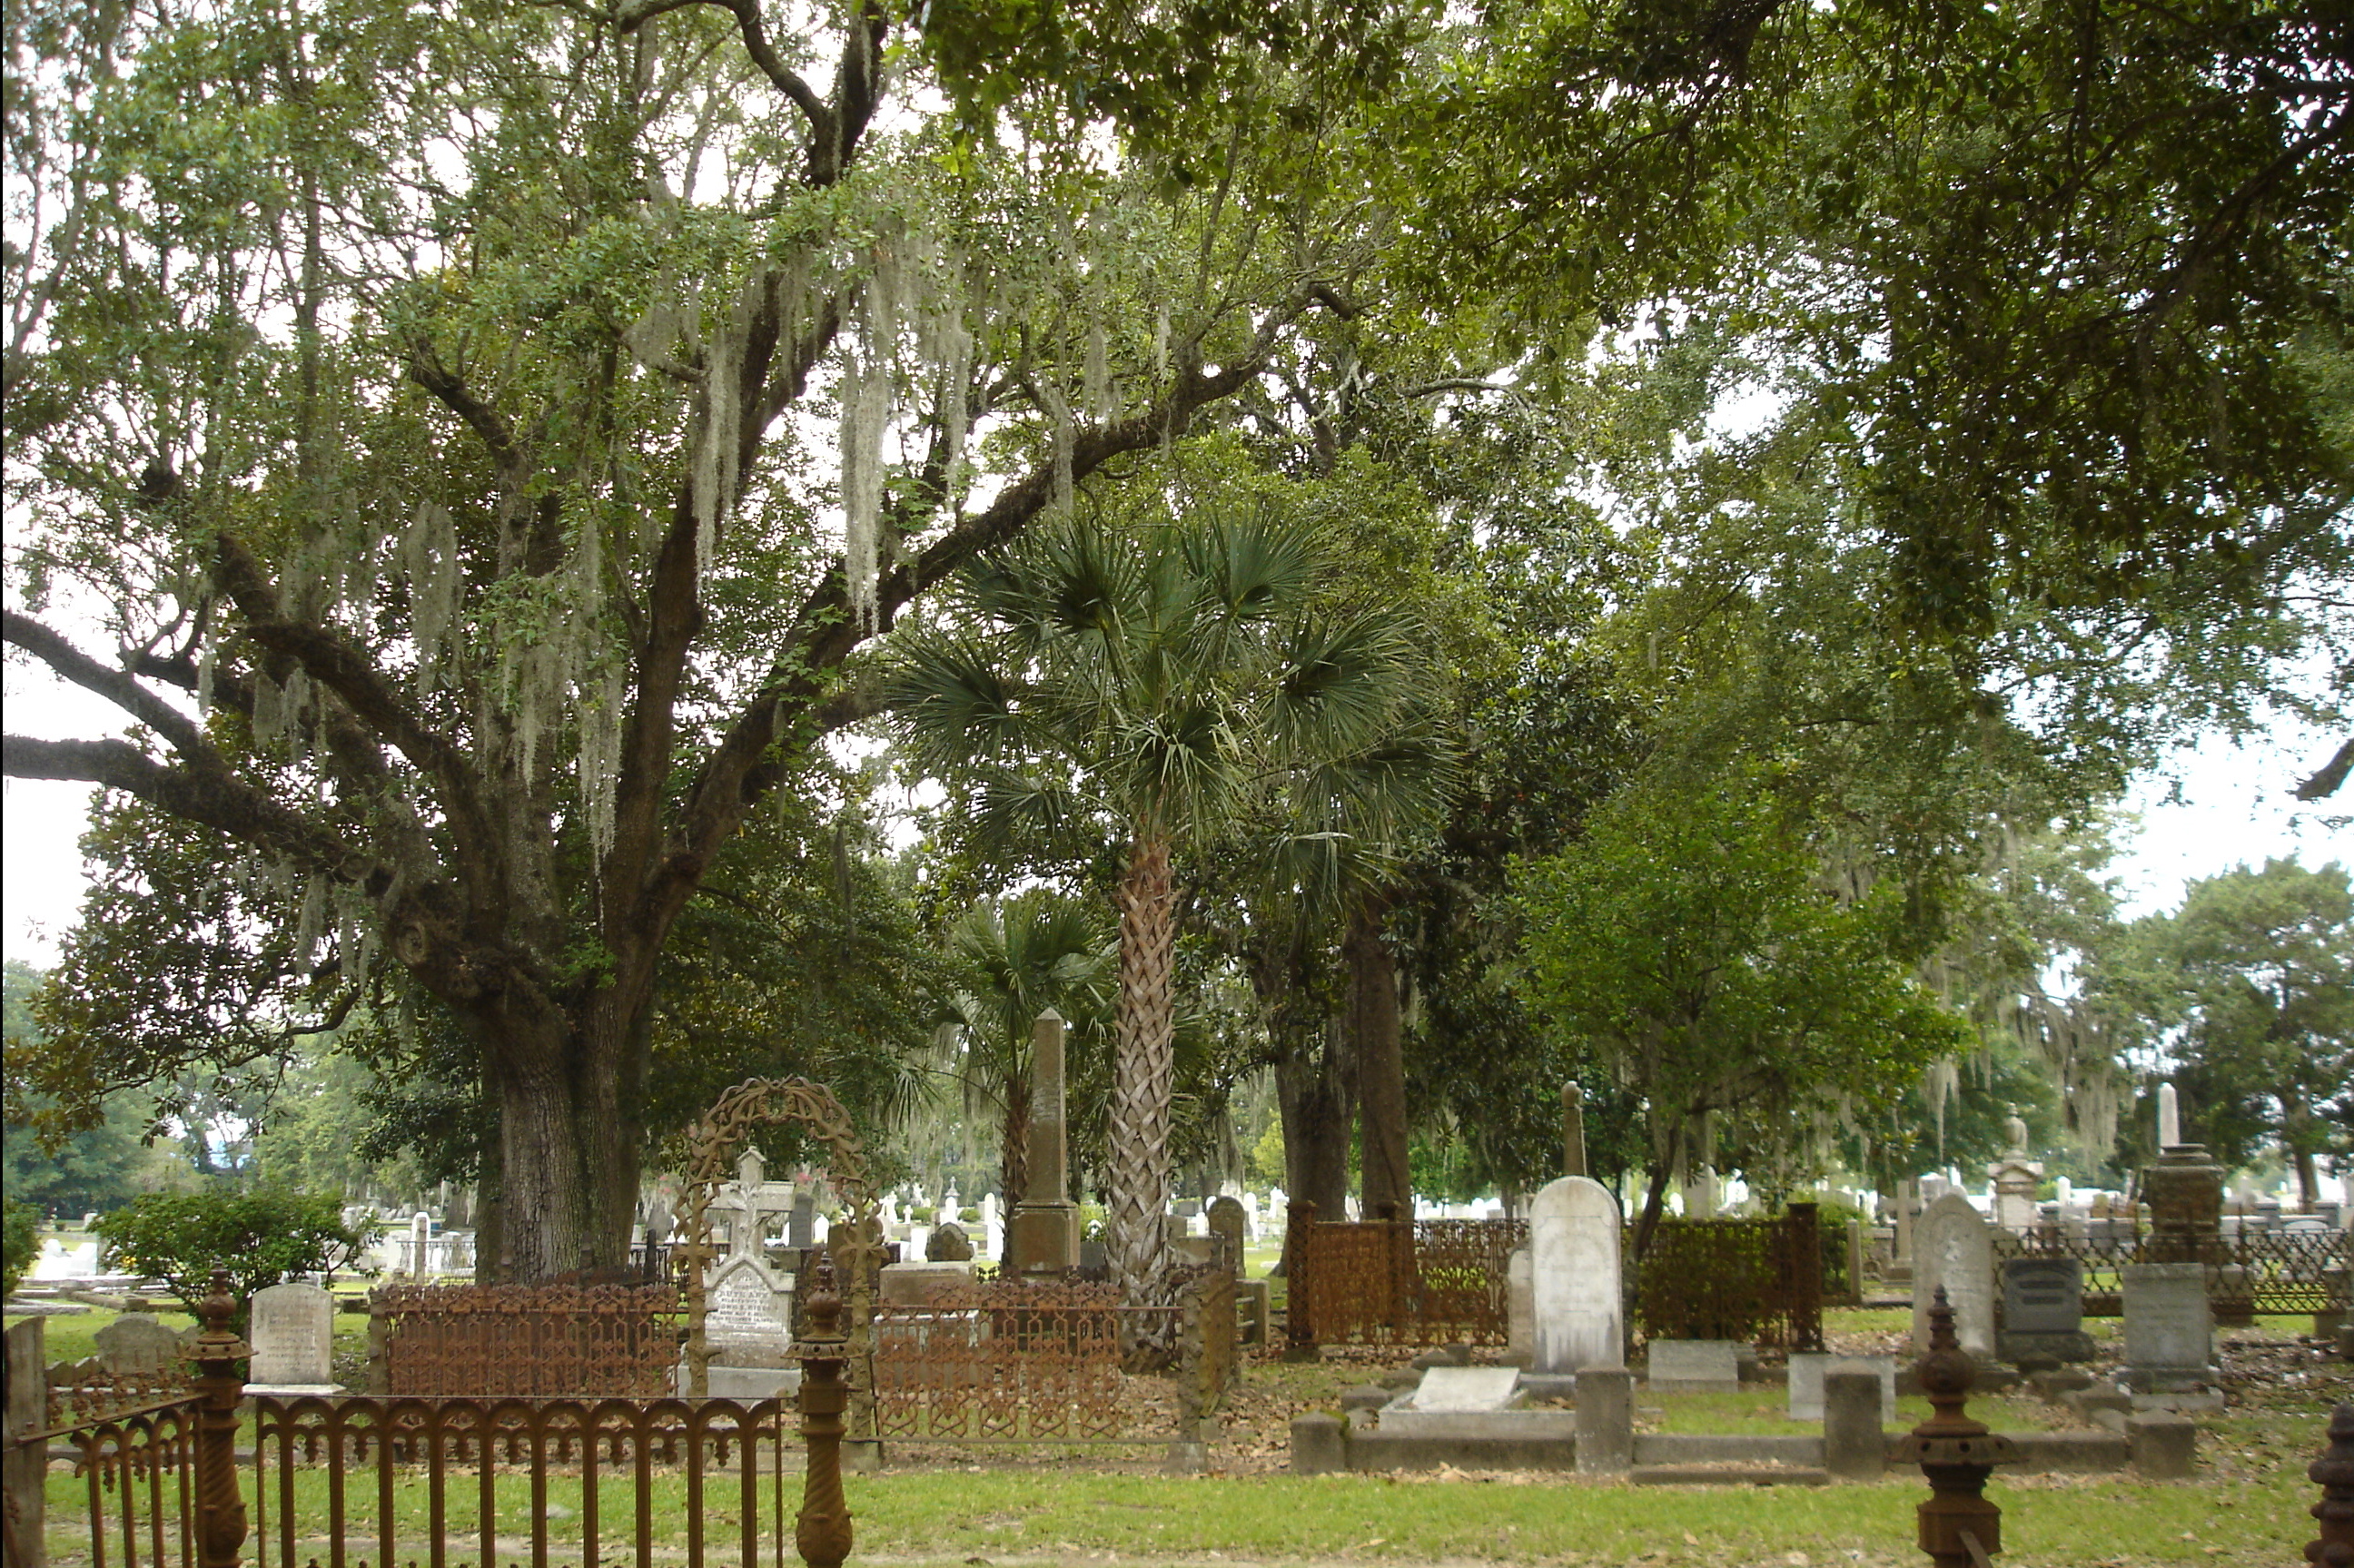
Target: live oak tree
<point>486,436</point>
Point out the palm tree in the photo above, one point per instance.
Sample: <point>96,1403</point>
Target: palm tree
<point>1016,957</point>
<point>1156,680</point>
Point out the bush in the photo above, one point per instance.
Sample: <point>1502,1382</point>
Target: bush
<point>262,1238</point>
<point>20,1243</point>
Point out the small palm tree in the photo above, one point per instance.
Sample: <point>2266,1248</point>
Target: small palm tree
<point>1158,681</point>
<point>1015,958</point>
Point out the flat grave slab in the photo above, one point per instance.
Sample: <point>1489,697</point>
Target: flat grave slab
<point>1466,1388</point>
<point>1695,1366</point>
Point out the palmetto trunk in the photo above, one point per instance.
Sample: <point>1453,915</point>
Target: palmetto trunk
<point>1143,1067</point>
<point>1373,1028</point>
<point>1013,1157</point>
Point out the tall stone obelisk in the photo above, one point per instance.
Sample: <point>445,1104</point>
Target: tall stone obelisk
<point>1045,1235</point>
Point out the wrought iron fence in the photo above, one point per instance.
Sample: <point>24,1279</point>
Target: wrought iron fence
<point>2255,1271</point>
<point>521,1341</point>
<point>1397,1282</point>
<point>1040,1361</point>
<point>456,1480</point>
<point>1758,1279</point>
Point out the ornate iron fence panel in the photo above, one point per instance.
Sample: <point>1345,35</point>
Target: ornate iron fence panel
<point>82,1392</point>
<point>1382,1282</point>
<point>1012,1361</point>
<point>1461,1273</point>
<point>1714,1279</point>
<point>2255,1271</point>
<point>525,1342</point>
<point>140,1469</point>
<point>457,1481</point>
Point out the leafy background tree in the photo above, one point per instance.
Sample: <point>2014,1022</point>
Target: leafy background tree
<point>261,1236</point>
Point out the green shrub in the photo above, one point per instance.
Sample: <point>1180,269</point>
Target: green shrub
<point>20,1243</point>
<point>261,1236</point>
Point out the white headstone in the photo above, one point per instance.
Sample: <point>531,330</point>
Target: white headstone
<point>1951,1247</point>
<point>744,1320</point>
<point>421,1231</point>
<point>1467,1388</point>
<point>1574,1226</point>
<point>1807,1370</point>
<point>292,1335</point>
<point>2170,1118</point>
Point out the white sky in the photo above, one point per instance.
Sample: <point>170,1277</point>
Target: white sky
<point>2234,808</point>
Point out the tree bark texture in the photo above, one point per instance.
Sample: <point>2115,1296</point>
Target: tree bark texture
<point>1316,1093</point>
<point>1380,1049</point>
<point>1143,1069</point>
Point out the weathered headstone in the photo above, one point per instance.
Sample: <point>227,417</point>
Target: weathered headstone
<point>747,1323</point>
<point>1574,1229</point>
<point>136,1345</point>
<point>2043,1310</point>
<point>1226,1228</point>
<point>800,1223</point>
<point>948,1245</point>
<point>2170,1118</point>
<point>1808,1373</point>
<point>1855,1408</point>
<point>1606,1421</point>
<point>1951,1247</point>
<point>1045,1235</point>
<point>420,1232</point>
<point>1467,1388</point>
<point>1694,1366</point>
<point>2170,1328</point>
<point>293,1338</point>
<point>1521,1308</point>
<point>2015,1178</point>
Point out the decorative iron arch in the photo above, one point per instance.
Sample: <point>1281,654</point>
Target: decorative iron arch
<point>714,1144</point>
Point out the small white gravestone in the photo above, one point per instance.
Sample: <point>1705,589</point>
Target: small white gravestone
<point>1574,1227</point>
<point>2170,1118</point>
<point>1695,1366</point>
<point>1951,1248</point>
<point>421,1231</point>
<point>293,1336</point>
<point>1521,1307</point>
<point>1466,1388</point>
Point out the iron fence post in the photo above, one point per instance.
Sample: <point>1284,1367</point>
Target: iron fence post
<point>821,1532</point>
<point>2334,1474</point>
<point>1806,1232</point>
<point>1959,1528</point>
<point>220,1507</point>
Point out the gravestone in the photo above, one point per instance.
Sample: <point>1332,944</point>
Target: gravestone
<point>1226,1229</point>
<point>801,1224</point>
<point>292,1335</point>
<point>2043,1310</point>
<point>136,1345</point>
<point>1809,1372</point>
<point>948,1245</point>
<point>1694,1366</point>
<point>420,1232</point>
<point>1574,1229</point>
<point>1521,1308</point>
<point>748,1325</point>
<point>1044,1237</point>
<point>1467,1388</point>
<point>1951,1247</point>
<point>2015,1178</point>
<point>2170,1328</point>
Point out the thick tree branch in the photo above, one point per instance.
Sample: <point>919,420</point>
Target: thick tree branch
<point>123,690</point>
<point>2325,783</point>
<point>216,801</point>
<point>426,369</point>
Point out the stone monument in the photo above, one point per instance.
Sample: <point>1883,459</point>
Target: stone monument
<point>2015,1178</point>
<point>136,1345</point>
<point>2042,1311</point>
<point>1044,1238</point>
<point>1951,1247</point>
<point>293,1339</point>
<point>747,1323</point>
<point>2170,1328</point>
<point>2184,1191</point>
<point>1574,1230</point>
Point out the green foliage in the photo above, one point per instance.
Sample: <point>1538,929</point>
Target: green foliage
<point>2254,975</point>
<point>261,1236</point>
<point>20,1243</point>
<point>1687,940</point>
<point>101,1163</point>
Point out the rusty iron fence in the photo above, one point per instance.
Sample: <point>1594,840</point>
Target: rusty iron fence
<point>1398,1282</point>
<point>2255,1271</point>
<point>438,1481</point>
<point>1040,1361</point>
<point>459,1480</point>
<point>522,1341</point>
<point>1758,1279</point>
